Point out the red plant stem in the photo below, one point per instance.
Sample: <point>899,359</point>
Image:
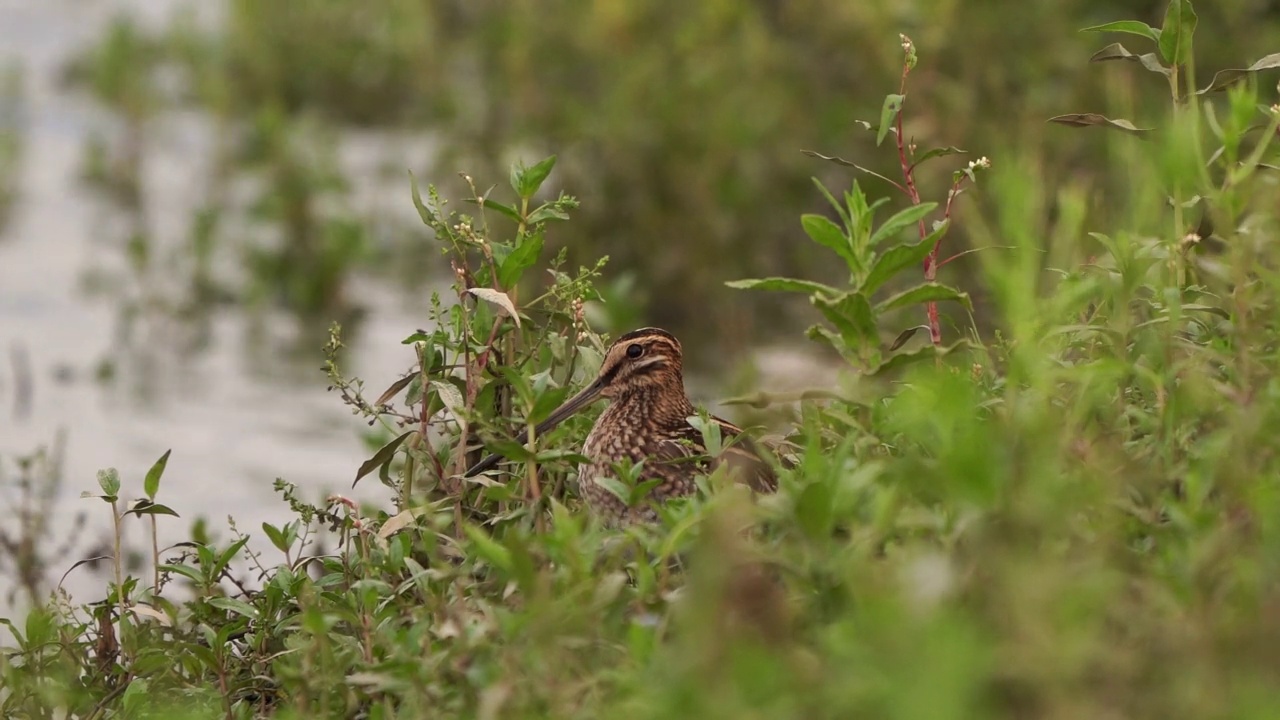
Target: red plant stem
<point>908,175</point>
<point>946,216</point>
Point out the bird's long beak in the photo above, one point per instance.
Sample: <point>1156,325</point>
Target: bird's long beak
<point>566,410</point>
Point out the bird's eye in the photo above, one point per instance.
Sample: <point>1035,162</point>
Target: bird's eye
<point>635,351</point>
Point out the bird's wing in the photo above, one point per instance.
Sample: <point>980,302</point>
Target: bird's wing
<point>743,456</point>
<point>739,453</point>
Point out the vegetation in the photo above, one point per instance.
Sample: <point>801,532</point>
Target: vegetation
<point>670,145</point>
<point>1074,514</point>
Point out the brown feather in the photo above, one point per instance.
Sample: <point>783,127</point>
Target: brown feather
<point>648,421</point>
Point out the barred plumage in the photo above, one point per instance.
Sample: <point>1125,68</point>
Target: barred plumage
<point>647,421</point>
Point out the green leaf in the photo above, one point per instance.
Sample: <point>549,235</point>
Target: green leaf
<point>616,487</point>
<point>423,211</point>
<point>640,491</point>
<point>449,395</point>
<point>840,209</point>
<point>1175,35</point>
<point>227,556</point>
<point>276,536</point>
<point>1116,51</point>
<point>395,389</point>
<point>414,394</point>
<point>1133,27</point>
<point>206,656</point>
<point>146,507</point>
<point>506,210</point>
<point>846,163</point>
<point>906,335</point>
<point>903,219</point>
<point>522,258</point>
<point>829,235</point>
<point>899,258</point>
<point>510,449</point>
<point>851,315</point>
<point>937,152</point>
<point>135,699</point>
<point>109,481</point>
<point>712,438</point>
<point>888,112</point>
<point>186,571</point>
<point>526,180</point>
<point>782,285</point>
<point>499,298</point>
<point>501,251</point>
<point>380,458</point>
<point>151,485</point>
<point>547,212</point>
<point>1088,119</point>
<point>547,401</point>
<point>818,332</point>
<point>814,509</point>
<point>238,607</point>
<point>927,352</point>
<point>1226,78</point>
<point>489,550</point>
<point>927,292</point>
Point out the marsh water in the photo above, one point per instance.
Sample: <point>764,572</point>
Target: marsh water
<point>246,406</point>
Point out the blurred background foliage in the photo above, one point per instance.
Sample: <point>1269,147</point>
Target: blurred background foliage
<point>678,125</point>
<point>11,121</point>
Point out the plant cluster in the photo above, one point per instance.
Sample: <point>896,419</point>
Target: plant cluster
<point>1076,517</point>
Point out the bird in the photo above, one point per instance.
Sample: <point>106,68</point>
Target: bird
<point>648,424</point>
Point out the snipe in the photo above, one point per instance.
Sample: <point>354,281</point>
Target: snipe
<point>648,421</point>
